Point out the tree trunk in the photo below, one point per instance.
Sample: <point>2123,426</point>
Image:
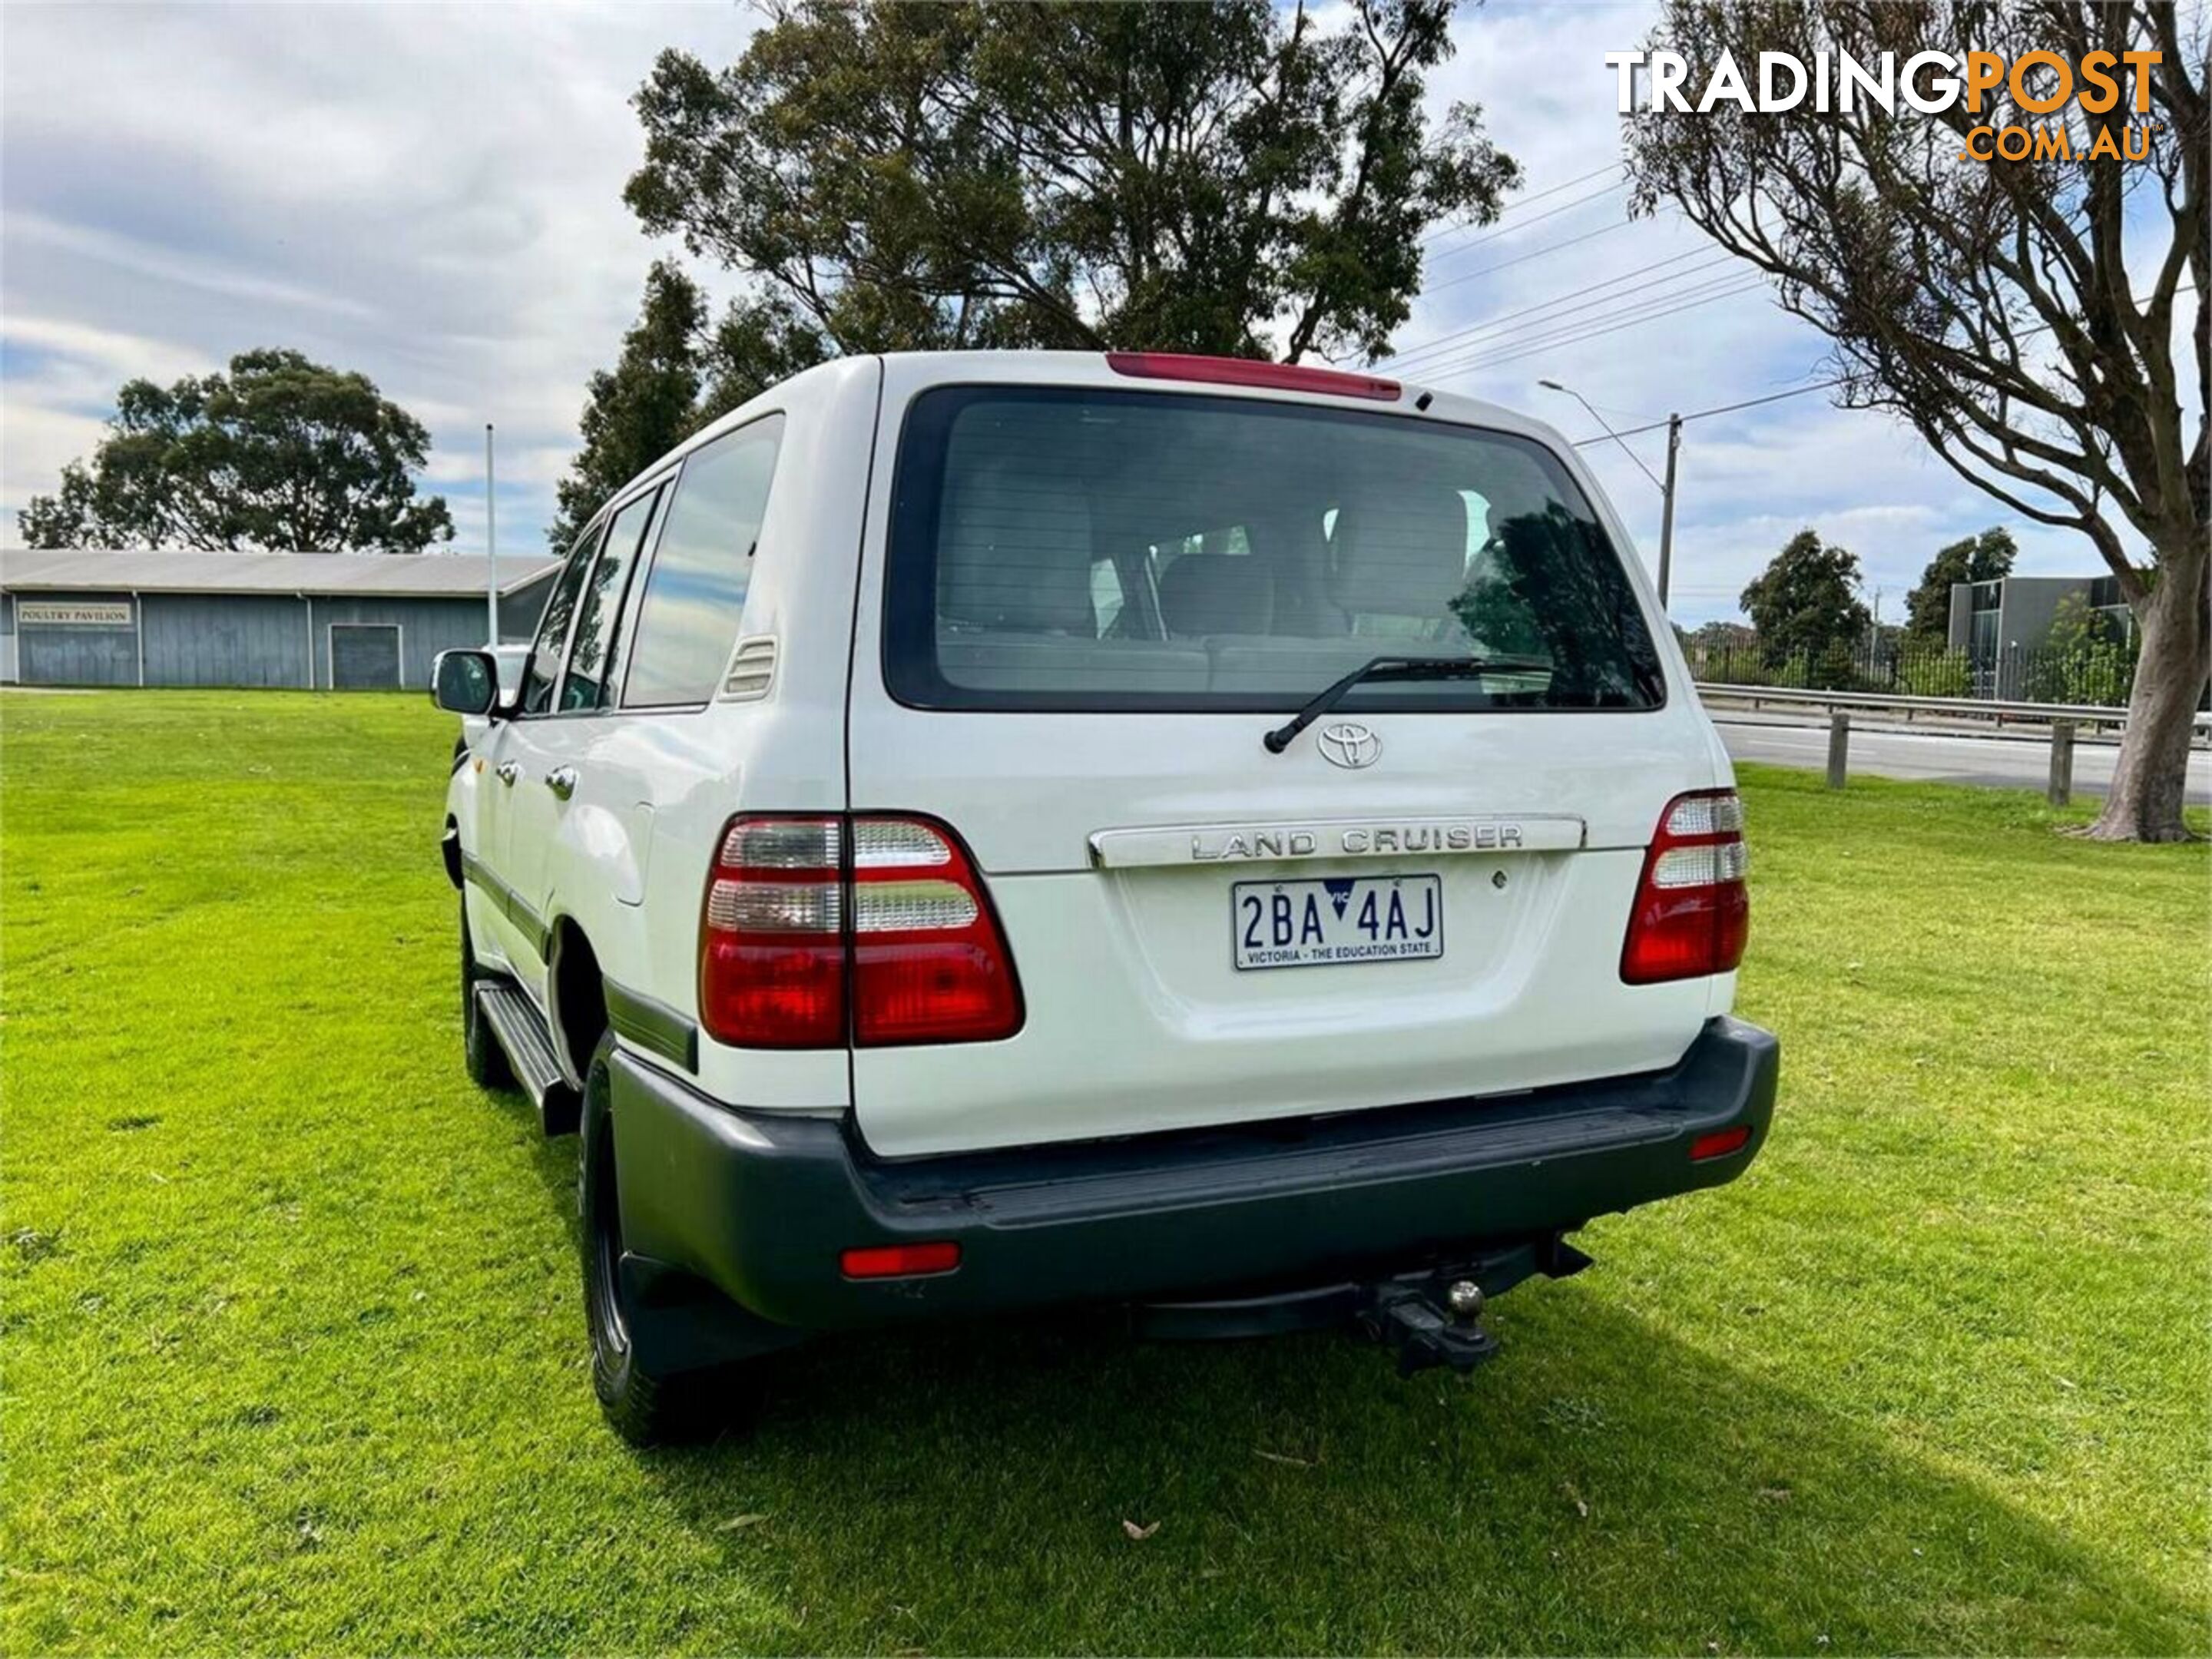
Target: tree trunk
<point>2145,803</point>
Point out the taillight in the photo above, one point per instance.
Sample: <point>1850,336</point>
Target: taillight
<point>772,936</point>
<point>1693,912</point>
<point>876,926</point>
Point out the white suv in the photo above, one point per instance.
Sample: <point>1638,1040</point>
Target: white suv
<point>990,830</point>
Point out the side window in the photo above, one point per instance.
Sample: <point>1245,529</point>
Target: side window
<point>695,590</point>
<point>591,655</point>
<point>544,665</point>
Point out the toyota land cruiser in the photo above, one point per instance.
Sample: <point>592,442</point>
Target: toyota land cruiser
<point>1231,842</point>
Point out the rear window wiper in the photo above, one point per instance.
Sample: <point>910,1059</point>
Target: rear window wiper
<point>1396,668</point>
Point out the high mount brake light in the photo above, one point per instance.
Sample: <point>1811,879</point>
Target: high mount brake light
<point>875,927</point>
<point>1243,371</point>
<point>1693,912</point>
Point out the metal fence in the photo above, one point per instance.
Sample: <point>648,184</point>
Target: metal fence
<point>2090,673</point>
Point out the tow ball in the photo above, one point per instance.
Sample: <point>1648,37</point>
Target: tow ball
<point>1426,1330</point>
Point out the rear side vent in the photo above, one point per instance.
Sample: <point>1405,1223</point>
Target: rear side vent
<point>752,672</point>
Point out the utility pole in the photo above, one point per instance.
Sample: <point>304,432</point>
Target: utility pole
<point>491,546</point>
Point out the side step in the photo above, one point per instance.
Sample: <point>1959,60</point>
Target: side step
<point>515,1020</point>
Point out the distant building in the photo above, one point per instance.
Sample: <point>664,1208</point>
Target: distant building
<point>320,621</point>
<point>2000,624</point>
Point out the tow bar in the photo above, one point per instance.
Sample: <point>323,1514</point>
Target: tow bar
<point>1424,1334</point>
<point>1429,1316</point>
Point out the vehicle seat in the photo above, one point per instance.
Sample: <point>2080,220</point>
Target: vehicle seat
<point>1400,555</point>
<point>1205,593</point>
<point>1013,556</point>
<point>1014,607</point>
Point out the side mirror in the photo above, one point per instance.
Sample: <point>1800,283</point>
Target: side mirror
<point>464,682</point>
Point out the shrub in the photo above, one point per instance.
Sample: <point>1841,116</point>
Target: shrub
<point>1937,674</point>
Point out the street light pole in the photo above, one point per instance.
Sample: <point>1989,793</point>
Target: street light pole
<point>1666,490</point>
<point>491,546</point>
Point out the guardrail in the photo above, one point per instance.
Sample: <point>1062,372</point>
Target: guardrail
<point>1969,707</point>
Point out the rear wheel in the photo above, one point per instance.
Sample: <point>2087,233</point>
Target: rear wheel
<point>480,1051</point>
<point>646,1408</point>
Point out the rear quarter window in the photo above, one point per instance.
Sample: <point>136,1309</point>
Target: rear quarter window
<point>1079,548</point>
<point>695,589</point>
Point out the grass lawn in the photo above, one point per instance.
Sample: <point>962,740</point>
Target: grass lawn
<point>294,1357</point>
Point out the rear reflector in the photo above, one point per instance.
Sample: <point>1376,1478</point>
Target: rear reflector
<point>1720,1143</point>
<point>803,946</point>
<point>900,1261</point>
<point>1244,371</point>
<point>1693,912</point>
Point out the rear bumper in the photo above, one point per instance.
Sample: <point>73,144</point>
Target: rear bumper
<point>760,1206</point>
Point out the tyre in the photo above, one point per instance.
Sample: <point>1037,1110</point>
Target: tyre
<point>646,1407</point>
<point>480,1051</point>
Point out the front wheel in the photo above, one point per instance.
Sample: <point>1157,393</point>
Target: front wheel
<point>646,1408</point>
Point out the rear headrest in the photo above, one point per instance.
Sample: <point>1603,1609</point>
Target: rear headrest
<point>1218,593</point>
<point>1403,553</point>
<point>1014,553</point>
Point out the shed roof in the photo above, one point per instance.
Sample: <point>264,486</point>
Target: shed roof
<point>412,575</point>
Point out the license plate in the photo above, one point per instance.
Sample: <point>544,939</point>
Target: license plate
<point>1317,924</point>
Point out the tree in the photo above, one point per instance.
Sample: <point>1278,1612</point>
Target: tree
<point>280,454</point>
<point>1806,607</point>
<point>641,408</point>
<point>2021,315</point>
<point>1225,177</point>
<point>1978,558</point>
<point>759,343</point>
<point>2084,658</point>
<point>673,377</point>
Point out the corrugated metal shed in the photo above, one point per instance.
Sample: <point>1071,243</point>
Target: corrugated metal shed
<point>417,575</point>
<point>315,621</point>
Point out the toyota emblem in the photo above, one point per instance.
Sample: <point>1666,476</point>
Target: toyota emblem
<point>1350,744</point>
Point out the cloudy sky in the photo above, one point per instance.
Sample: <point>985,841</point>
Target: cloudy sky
<point>431,194</point>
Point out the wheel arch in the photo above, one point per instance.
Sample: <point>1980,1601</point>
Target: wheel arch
<point>575,996</point>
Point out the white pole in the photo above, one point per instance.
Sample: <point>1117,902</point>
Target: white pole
<point>491,544</point>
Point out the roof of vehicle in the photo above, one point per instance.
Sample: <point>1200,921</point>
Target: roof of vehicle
<point>394,575</point>
<point>1093,368</point>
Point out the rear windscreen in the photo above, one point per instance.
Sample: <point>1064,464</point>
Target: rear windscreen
<point>1069,549</point>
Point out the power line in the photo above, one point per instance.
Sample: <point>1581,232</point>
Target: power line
<point>1552,189</point>
<point>1713,259</point>
<point>1771,398</point>
<point>1721,408</point>
<point>1562,329</point>
<point>1549,213</point>
<point>1523,347</point>
<point>1523,258</point>
<point>1424,348</point>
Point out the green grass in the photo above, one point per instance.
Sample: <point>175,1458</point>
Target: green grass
<point>293,1358</point>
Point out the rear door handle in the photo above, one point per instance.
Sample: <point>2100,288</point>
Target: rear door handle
<point>508,771</point>
<point>562,781</point>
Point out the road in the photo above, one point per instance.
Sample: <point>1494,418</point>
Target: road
<point>1992,762</point>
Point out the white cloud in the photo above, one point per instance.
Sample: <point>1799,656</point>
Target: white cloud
<point>430,195</point>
